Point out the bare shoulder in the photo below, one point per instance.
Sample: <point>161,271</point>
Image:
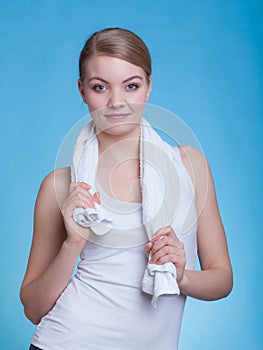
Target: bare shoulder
<point>198,168</point>
<point>56,183</point>
<point>195,161</point>
<point>192,156</point>
<point>58,175</point>
<point>53,191</point>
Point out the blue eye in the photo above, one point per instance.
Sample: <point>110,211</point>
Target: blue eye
<point>132,86</point>
<point>98,87</point>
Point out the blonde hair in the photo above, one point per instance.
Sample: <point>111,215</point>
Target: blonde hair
<point>119,43</point>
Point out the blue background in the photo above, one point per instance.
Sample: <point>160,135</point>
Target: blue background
<point>207,68</point>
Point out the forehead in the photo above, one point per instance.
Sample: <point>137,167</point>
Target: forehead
<point>111,68</point>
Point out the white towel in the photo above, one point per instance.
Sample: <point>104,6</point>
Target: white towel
<point>93,218</point>
<point>160,187</point>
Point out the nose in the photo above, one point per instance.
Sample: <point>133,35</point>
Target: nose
<point>116,99</point>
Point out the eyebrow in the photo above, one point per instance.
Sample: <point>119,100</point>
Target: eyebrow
<point>124,81</point>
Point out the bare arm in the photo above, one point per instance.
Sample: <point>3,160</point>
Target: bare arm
<point>55,246</point>
<point>215,279</point>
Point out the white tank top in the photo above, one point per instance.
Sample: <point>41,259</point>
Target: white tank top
<point>103,306</point>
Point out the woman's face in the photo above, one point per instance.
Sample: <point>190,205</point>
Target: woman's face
<point>115,92</point>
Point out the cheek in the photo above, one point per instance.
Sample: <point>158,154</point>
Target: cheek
<point>140,96</point>
<point>95,101</point>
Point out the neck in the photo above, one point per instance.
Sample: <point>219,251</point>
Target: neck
<point>118,147</point>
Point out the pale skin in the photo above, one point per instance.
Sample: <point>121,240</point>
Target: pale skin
<point>57,240</point>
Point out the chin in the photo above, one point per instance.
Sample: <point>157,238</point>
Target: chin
<point>117,128</point>
<point>121,129</point>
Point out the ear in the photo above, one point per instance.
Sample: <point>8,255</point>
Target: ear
<point>149,88</point>
<point>81,89</point>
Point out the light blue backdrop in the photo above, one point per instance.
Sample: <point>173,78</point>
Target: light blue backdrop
<point>207,68</point>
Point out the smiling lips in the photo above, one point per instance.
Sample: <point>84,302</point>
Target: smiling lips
<point>117,116</point>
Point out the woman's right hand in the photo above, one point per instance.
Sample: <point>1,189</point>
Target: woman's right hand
<point>79,197</point>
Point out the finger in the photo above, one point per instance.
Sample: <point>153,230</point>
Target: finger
<point>81,188</point>
<point>167,250</point>
<point>77,203</point>
<point>84,201</point>
<point>167,241</point>
<point>80,184</point>
<point>167,230</point>
<point>85,185</point>
<point>161,232</point>
<point>160,253</point>
<point>147,248</point>
<point>82,193</point>
<point>178,261</point>
<point>96,197</point>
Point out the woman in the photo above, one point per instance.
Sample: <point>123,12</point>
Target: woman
<point>102,307</point>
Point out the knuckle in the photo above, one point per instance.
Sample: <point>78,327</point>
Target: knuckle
<point>167,249</point>
<point>171,229</point>
<point>166,239</point>
<point>181,245</point>
<point>157,257</point>
<point>83,204</point>
<point>160,260</point>
<point>85,185</point>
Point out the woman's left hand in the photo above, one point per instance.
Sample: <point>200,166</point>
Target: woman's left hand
<point>166,247</point>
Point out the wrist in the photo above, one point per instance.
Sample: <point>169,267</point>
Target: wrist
<point>183,283</point>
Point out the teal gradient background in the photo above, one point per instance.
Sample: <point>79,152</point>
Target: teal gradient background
<point>207,69</point>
